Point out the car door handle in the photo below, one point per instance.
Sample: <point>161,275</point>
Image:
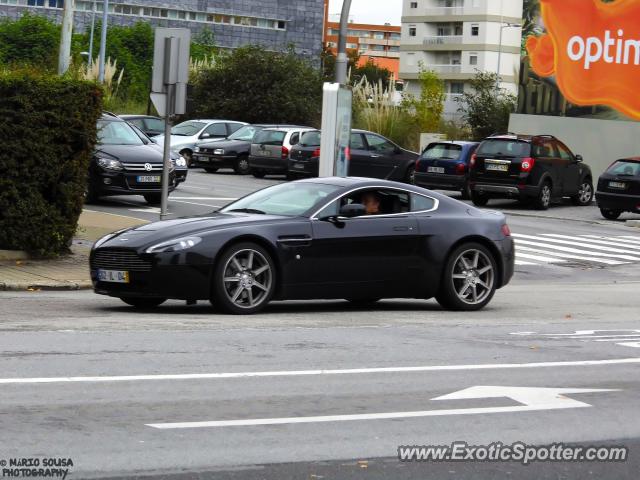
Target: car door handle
<point>375,156</point>
<point>400,229</point>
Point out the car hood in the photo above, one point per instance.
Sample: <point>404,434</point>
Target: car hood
<point>132,153</point>
<point>161,231</point>
<point>226,144</point>
<point>175,140</point>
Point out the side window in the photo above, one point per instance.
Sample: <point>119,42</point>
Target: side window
<point>379,144</point>
<point>216,130</point>
<point>138,122</point>
<point>563,152</point>
<point>357,143</point>
<point>155,124</point>
<point>379,202</point>
<point>295,138</point>
<point>543,149</point>
<point>420,203</point>
<point>234,127</point>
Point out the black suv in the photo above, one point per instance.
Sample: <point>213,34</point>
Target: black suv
<point>538,168</point>
<point>126,163</point>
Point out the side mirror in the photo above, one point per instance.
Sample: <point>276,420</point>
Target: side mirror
<point>353,210</point>
<point>579,158</point>
<point>397,150</point>
<point>205,135</point>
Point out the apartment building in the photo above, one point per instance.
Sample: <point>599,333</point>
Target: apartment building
<point>456,39</point>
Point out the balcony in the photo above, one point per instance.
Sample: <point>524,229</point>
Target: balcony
<point>440,11</point>
<point>442,40</point>
<point>444,68</point>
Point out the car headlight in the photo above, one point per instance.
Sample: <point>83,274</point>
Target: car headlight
<point>175,245</point>
<point>196,149</point>
<point>181,162</point>
<point>218,151</point>
<point>110,164</point>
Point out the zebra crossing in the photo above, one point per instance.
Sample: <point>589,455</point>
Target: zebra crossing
<point>576,250</point>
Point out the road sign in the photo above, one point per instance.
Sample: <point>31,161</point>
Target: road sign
<point>336,130</point>
<point>531,399</point>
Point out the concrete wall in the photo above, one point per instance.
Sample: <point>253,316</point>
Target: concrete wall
<point>600,142</point>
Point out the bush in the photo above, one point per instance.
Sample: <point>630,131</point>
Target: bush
<point>48,131</point>
<point>31,40</point>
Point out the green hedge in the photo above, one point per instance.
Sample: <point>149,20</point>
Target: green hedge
<point>48,132</point>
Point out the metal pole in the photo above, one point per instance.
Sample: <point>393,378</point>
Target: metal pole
<point>164,203</point>
<point>65,37</point>
<point>342,61</point>
<point>103,40</point>
<point>499,58</point>
<point>93,28</point>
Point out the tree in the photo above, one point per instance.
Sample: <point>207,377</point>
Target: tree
<point>257,86</point>
<point>373,72</point>
<point>30,41</point>
<point>485,109</point>
<point>428,107</point>
<point>328,59</point>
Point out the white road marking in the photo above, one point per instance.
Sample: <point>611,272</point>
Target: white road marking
<point>629,344</point>
<point>522,263</point>
<point>599,242</point>
<point>574,250</point>
<point>540,258</point>
<point>533,399</point>
<point>606,261</point>
<point>576,244</point>
<point>299,373</point>
<point>193,203</point>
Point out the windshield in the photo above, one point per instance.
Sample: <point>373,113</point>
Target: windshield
<point>625,168</point>
<point>310,139</point>
<point>270,137</point>
<point>187,129</point>
<point>443,151</point>
<point>506,148</point>
<point>246,133</point>
<point>117,133</point>
<point>288,199</point>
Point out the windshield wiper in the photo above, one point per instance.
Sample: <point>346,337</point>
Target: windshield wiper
<point>248,210</point>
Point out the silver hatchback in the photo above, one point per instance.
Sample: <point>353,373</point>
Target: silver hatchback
<point>270,150</point>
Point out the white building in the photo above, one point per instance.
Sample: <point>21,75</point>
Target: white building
<point>457,38</point>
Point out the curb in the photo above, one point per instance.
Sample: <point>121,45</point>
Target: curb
<point>13,255</point>
<point>633,223</point>
<point>45,287</point>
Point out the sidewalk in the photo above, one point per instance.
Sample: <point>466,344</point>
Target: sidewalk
<point>70,272</point>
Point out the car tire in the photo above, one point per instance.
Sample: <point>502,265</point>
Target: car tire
<point>242,165</point>
<point>410,175</point>
<point>479,199</point>
<point>153,198</point>
<point>210,169</point>
<point>90,195</point>
<point>469,282</point>
<point>543,200</point>
<point>258,173</point>
<point>244,279</point>
<point>611,214</point>
<point>466,191</point>
<point>188,156</point>
<point>584,197</point>
<point>143,302</point>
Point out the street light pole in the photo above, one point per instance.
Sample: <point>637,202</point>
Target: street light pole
<point>103,40</point>
<point>93,28</point>
<point>342,61</point>
<point>65,37</point>
<point>502,27</point>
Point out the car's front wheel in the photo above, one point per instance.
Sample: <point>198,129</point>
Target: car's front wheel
<point>210,169</point>
<point>469,280</point>
<point>585,194</point>
<point>142,302</point>
<point>242,165</point>
<point>244,279</point>
<point>153,198</point>
<point>611,214</point>
<point>258,173</point>
<point>479,199</point>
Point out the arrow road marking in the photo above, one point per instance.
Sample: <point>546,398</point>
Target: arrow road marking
<point>532,399</point>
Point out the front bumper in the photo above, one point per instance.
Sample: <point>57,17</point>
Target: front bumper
<point>217,161</point>
<point>437,181</point>
<point>618,201</point>
<point>126,182</point>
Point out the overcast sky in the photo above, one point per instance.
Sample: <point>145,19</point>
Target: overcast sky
<point>371,11</point>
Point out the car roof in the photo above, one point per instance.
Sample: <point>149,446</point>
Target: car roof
<point>356,182</point>
<point>630,159</point>
<point>112,117</point>
<point>275,125</point>
<point>454,142</point>
<point>519,137</point>
<point>289,129</point>
<point>131,117</point>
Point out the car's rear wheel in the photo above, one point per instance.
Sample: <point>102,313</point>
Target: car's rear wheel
<point>479,199</point>
<point>410,175</point>
<point>153,198</point>
<point>142,302</point>
<point>585,194</point>
<point>469,280</point>
<point>611,214</point>
<point>543,200</point>
<point>244,279</point>
<point>90,194</point>
<point>242,166</point>
<point>258,173</point>
<point>210,169</point>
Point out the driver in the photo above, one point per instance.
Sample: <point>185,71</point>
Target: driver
<point>371,201</point>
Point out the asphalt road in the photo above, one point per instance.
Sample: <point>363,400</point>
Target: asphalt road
<point>311,390</point>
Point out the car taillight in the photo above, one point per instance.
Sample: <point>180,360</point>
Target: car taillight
<point>474,159</point>
<point>527,165</point>
<point>461,168</point>
<point>506,231</point>
<point>285,152</point>
<point>316,153</point>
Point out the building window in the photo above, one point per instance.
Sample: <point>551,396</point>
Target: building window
<point>457,88</point>
<point>414,4</point>
<point>473,59</point>
<point>475,30</point>
<point>412,31</point>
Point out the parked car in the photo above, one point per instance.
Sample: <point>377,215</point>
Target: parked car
<point>151,126</point>
<point>125,164</point>
<point>371,155</point>
<point>313,239</point>
<point>538,168</point>
<point>270,150</point>
<point>232,152</point>
<point>181,164</point>
<point>445,166</point>
<point>619,188</point>
<point>186,135</point>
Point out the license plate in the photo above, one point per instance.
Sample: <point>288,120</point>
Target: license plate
<point>264,153</point>
<point>496,167</point>
<point>619,185</point>
<point>435,170</point>
<point>299,166</point>
<point>148,179</point>
<point>113,276</point>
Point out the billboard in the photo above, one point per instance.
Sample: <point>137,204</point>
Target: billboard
<point>581,58</point>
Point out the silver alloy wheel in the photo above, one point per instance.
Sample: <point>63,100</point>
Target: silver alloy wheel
<point>243,164</point>
<point>585,194</point>
<point>473,276</point>
<point>545,195</point>
<point>247,278</point>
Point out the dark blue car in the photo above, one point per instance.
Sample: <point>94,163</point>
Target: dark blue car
<point>445,166</point>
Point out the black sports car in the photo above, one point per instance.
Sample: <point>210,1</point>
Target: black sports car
<point>327,238</point>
